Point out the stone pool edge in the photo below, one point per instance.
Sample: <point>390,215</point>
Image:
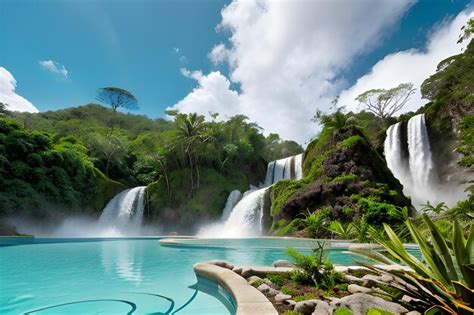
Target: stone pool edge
<point>248,299</point>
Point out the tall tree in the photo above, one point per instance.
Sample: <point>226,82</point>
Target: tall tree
<point>116,98</point>
<point>191,133</point>
<point>385,103</point>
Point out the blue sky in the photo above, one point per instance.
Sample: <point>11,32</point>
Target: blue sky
<point>144,46</point>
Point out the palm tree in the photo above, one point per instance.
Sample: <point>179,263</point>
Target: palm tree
<point>192,129</point>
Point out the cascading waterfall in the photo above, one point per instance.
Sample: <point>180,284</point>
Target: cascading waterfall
<point>417,173</point>
<point>245,218</point>
<point>420,159</point>
<point>232,200</point>
<point>395,160</point>
<point>124,213</point>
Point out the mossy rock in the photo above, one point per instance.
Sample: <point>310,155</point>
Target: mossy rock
<point>336,166</point>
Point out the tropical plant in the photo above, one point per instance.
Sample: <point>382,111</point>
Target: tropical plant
<point>437,209</point>
<point>314,268</point>
<point>344,231</point>
<point>441,283</point>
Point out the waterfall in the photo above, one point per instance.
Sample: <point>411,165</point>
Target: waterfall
<point>124,212</point>
<point>420,159</point>
<point>395,160</point>
<point>232,200</point>
<point>287,168</point>
<point>417,173</point>
<point>244,219</point>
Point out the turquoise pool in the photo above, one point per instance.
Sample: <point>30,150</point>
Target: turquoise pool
<point>122,276</point>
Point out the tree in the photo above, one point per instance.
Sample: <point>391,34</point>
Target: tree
<point>3,109</point>
<point>385,103</point>
<point>468,30</point>
<point>191,132</point>
<point>116,98</point>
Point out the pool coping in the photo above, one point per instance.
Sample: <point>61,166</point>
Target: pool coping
<point>247,298</point>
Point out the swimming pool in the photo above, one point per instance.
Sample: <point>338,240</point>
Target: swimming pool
<point>122,276</point>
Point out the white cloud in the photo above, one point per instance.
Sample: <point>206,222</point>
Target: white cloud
<point>54,67</point>
<point>411,65</point>
<point>218,54</point>
<point>286,56</point>
<point>212,94</point>
<point>8,96</point>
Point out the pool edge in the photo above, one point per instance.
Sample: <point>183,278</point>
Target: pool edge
<point>248,299</point>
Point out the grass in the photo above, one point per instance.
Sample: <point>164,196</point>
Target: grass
<point>304,297</point>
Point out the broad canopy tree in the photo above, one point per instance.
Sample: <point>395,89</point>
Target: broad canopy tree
<point>116,97</point>
<point>385,103</point>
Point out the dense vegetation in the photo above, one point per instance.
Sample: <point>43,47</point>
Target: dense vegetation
<point>40,173</point>
<point>189,164</point>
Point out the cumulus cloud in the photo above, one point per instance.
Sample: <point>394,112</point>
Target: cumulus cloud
<point>286,57</point>
<point>212,94</point>
<point>411,65</point>
<point>8,96</point>
<point>55,67</point>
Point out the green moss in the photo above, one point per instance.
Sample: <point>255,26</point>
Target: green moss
<point>282,191</point>
<point>376,311</point>
<point>304,297</point>
<point>345,178</point>
<point>342,311</point>
<point>277,279</point>
<point>289,291</point>
<point>290,312</point>
<point>352,140</point>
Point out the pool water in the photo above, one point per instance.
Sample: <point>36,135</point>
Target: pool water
<point>124,276</point>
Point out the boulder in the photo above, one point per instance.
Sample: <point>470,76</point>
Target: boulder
<point>306,307</point>
<point>267,290</point>
<point>322,308</point>
<point>264,288</point>
<point>251,280</point>
<point>282,263</point>
<point>280,297</point>
<point>237,270</point>
<point>351,278</point>
<point>222,263</point>
<point>355,288</point>
<point>360,303</point>
<point>386,278</point>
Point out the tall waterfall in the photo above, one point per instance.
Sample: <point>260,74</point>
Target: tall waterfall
<point>417,173</point>
<point>124,213</point>
<point>245,218</point>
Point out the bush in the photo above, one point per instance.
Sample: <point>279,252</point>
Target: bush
<point>314,268</point>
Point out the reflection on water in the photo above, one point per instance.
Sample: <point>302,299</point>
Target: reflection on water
<point>122,259</point>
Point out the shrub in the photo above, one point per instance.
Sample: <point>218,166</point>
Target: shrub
<point>314,268</point>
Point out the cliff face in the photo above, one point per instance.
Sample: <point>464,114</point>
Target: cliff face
<point>344,176</point>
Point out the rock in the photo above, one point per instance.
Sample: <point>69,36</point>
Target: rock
<point>355,288</point>
<point>322,308</point>
<point>360,303</point>
<point>247,272</point>
<point>264,288</point>
<point>306,307</point>
<point>267,281</point>
<point>351,278</point>
<point>280,297</point>
<point>413,313</point>
<point>370,280</point>
<point>282,263</point>
<point>237,270</point>
<point>386,278</point>
<point>272,292</point>
<point>251,280</point>
<point>222,263</point>
<point>291,303</point>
